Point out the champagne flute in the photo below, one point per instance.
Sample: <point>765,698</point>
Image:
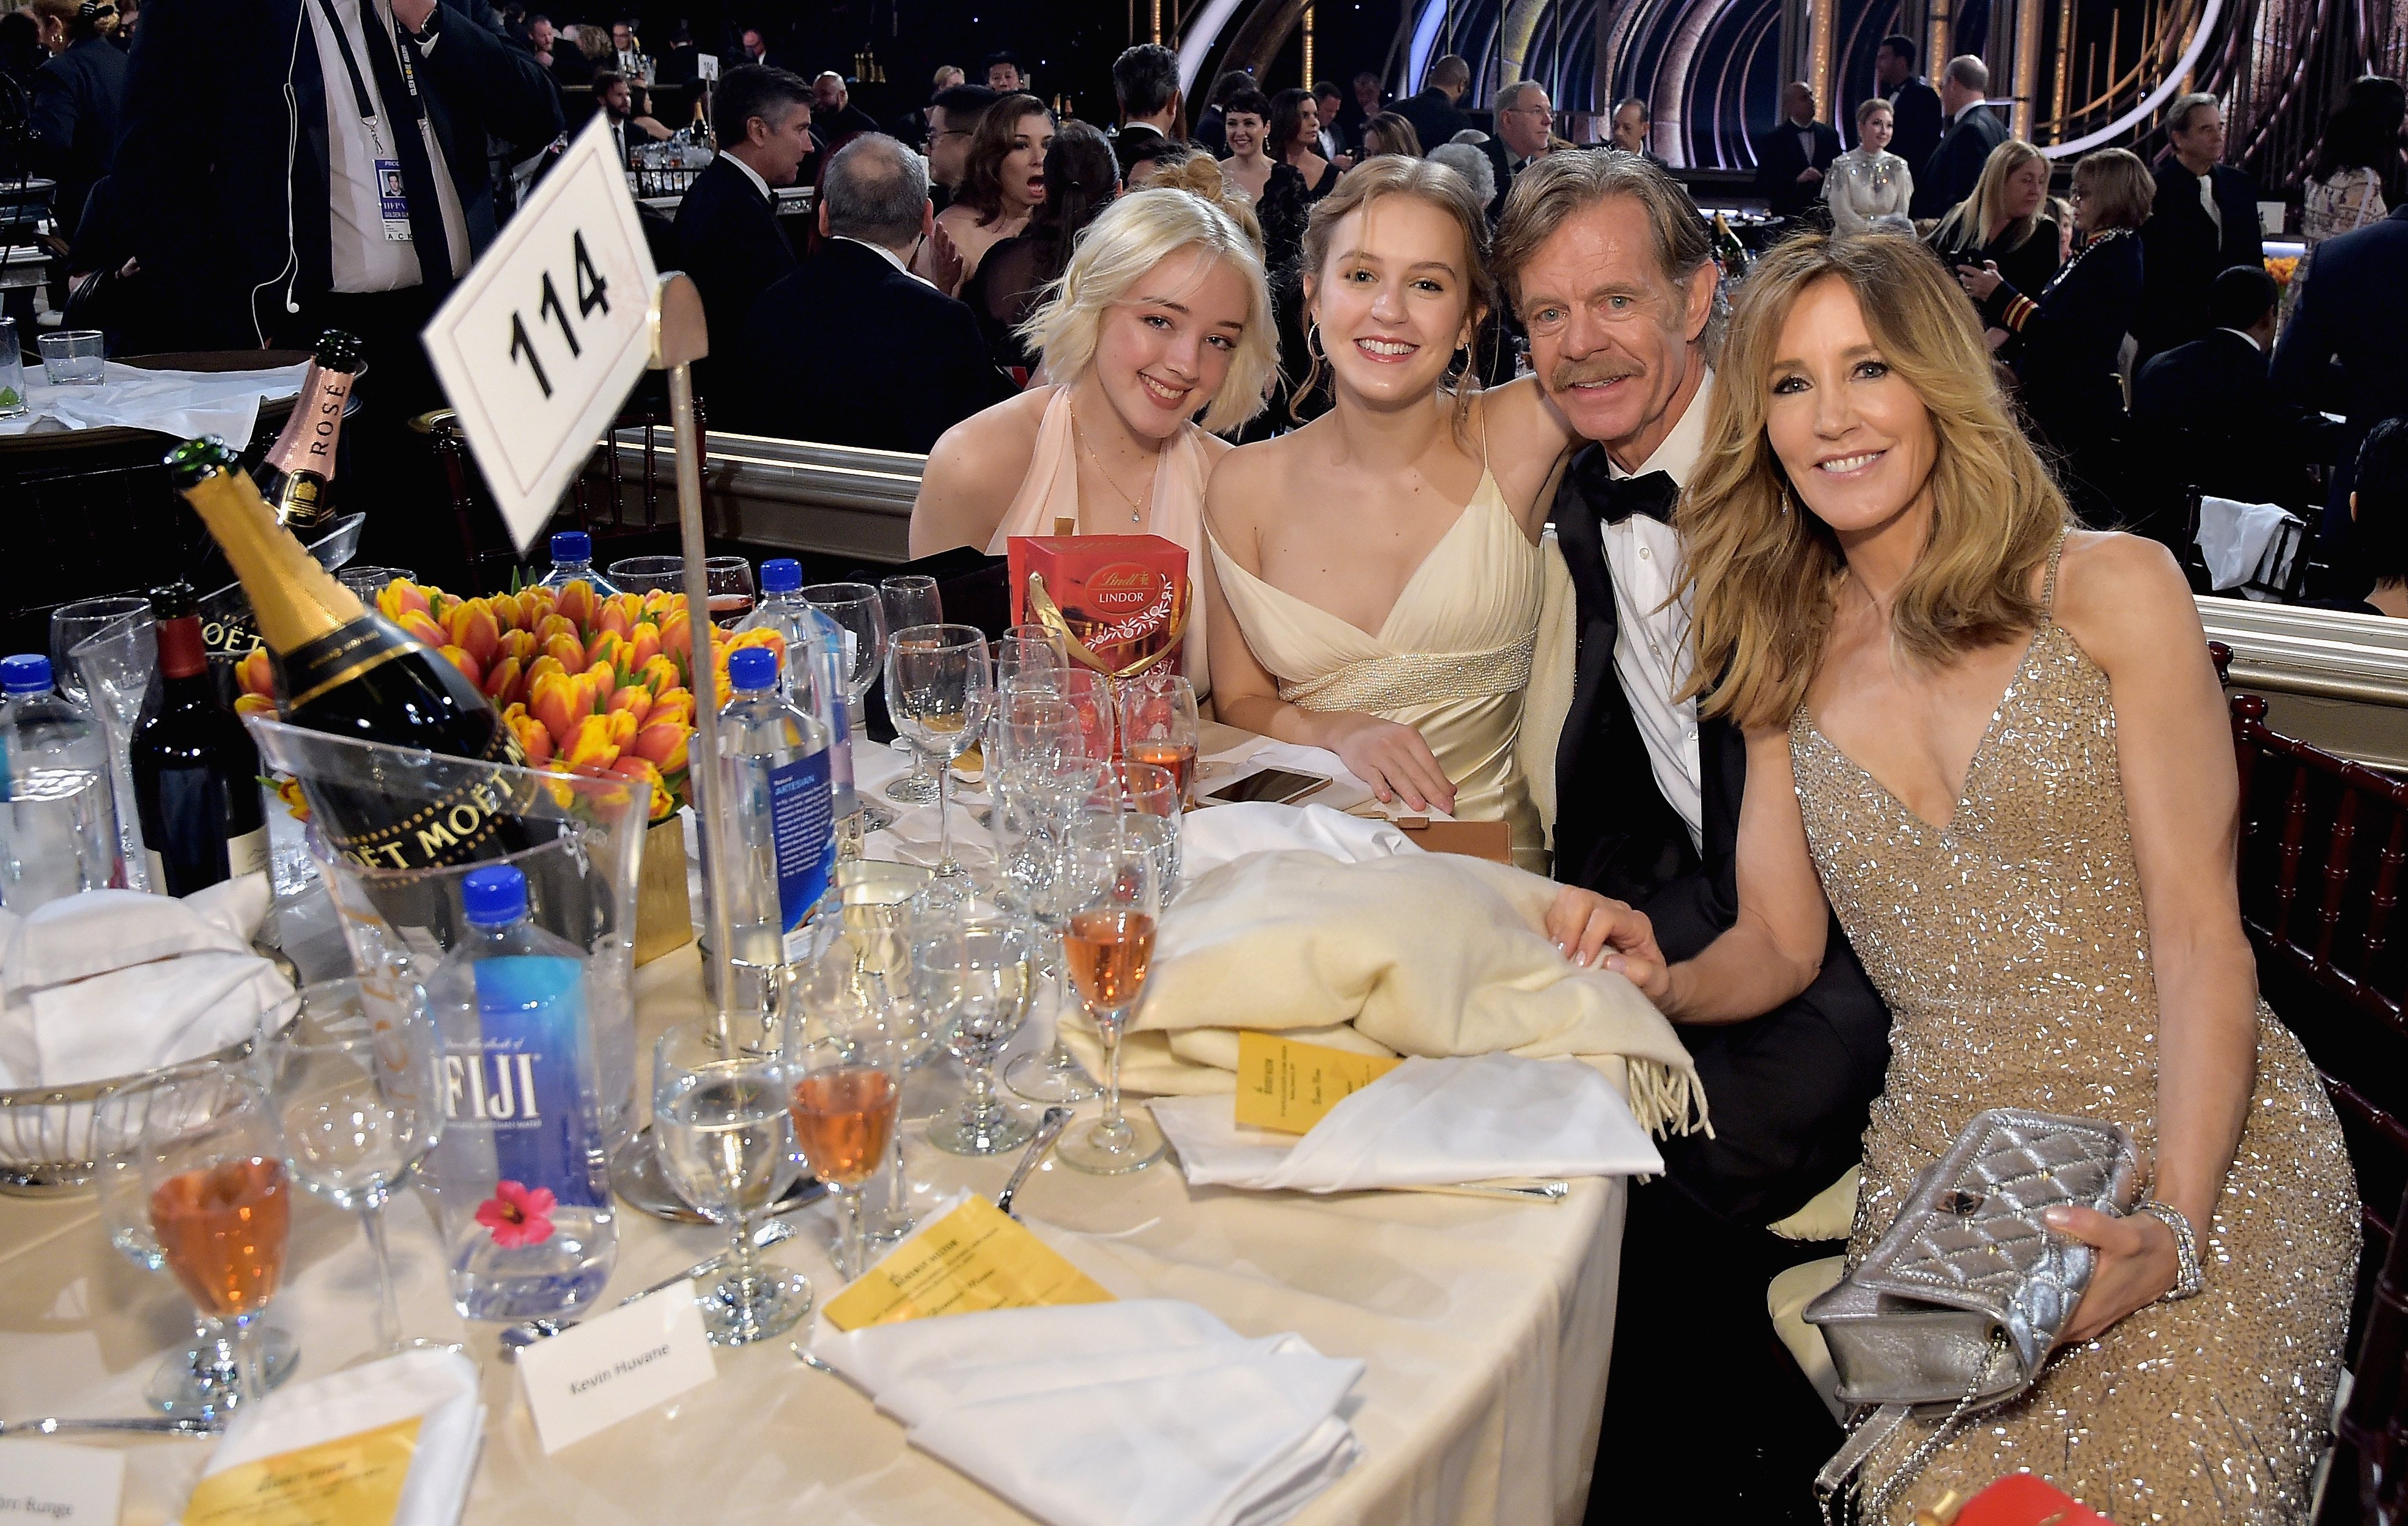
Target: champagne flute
<point>1052,791</point>
<point>1089,694</point>
<point>977,978</point>
<point>353,1087</point>
<point>909,600</point>
<point>73,624</point>
<point>1159,726</point>
<point>721,1130</point>
<point>940,689</point>
<point>114,664</point>
<point>858,610</point>
<point>845,1092</point>
<point>1148,797</point>
<point>221,1209</point>
<point>1114,903</point>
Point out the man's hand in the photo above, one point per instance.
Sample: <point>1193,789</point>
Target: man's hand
<point>412,14</point>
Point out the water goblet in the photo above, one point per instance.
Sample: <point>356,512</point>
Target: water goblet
<point>939,688</point>
<point>845,1092</point>
<point>114,665</point>
<point>73,624</point>
<point>977,978</point>
<point>722,1130</point>
<point>1053,795</point>
<point>911,600</point>
<point>1159,726</point>
<point>1029,657</point>
<point>1113,900</point>
<point>861,614</point>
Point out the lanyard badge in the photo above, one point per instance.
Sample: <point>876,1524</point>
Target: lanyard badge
<point>393,201</point>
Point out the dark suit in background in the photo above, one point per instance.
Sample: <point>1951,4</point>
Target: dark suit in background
<point>729,241</point>
<point>2204,415</point>
<point>2186,250</point>
<point>2347,347</point>
<point>1782,156</point>
<point>2066,369</point>
<point>1954,167</point>
<point>1914,118</point>
<point>850,350</point>
<point>1434,117</point>
<point>74,113</point>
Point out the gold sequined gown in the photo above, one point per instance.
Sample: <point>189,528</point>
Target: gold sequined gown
<point>2013,952</point>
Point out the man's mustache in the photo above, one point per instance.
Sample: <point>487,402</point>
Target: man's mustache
<point>1570,374</point>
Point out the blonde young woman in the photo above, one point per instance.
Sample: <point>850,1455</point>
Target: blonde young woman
<point>1161,317</point>
<point>2007,221</point>
<point>2000,752</point>
<point>1378,574</point>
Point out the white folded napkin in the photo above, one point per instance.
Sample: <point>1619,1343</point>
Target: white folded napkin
<point>1426,1123</point>
<point>182,404</point>
<point>1211,838</point>
<point>113,983</point>
<point>2233,538</point>
<point>1145,1412</point>
<point>439,1386</point>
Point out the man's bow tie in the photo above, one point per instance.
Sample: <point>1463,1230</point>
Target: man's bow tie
<point>1653,495</point>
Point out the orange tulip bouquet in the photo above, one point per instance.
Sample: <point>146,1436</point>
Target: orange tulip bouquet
<point>591,684</point>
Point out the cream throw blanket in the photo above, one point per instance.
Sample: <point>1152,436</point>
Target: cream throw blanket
<point>1422,954</point>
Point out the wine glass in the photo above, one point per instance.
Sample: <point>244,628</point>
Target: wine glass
<point>73,624</point>
<point>354,1089</point>
<point>1159,726</point>
<point>644,574</point>
<point>1051,792</point>
<point>1089,694</point>
<point>721,1130</point>
<point>114,665</point>
<point>845,1090</point>
<point>977,977</point>
<point>1148,796</point>
<point>940,689</point>
<point>732,590</point>
<point>196,1378</point>
<point>911,600</point>
<point>1113,899</point>
<point>221,1209</point>
<point>1029,657</point>
<point>861,614</point>
<point>369,581</point>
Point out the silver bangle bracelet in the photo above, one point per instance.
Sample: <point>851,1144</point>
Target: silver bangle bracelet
<point>2190,1281</point>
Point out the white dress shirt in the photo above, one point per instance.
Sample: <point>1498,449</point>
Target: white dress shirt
<point>2207,199</point>
<point>1652,653</point>
<point>759,183</point>
<point>365,259</point>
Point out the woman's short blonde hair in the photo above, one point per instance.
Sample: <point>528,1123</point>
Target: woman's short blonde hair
<point>1865,112</point>
<point>1764,571</point>
<point>2117,189</point>
<point>1135,233</point>
<point>1972,216</point>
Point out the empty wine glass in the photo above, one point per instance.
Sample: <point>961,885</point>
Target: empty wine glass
<point>846,1088</point>
<point>1089,694</point>
<point>114,665</point>
<point>721,1129</point>
<point>910,600</point>
<point>1159,726</point>
<point>644,574</point>
<point>1113,901</point>
<point>861,614</point>
<point>976,978</point>
<point>369,581</point>
<point>939,689</point>
<point>355,1090</point>
<point>1052,793</point>
<point>1029,657</point>
<point>196,1378</point>
<point>73,624</point>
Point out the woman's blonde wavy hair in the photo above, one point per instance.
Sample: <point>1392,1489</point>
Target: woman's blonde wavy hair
<point>1764,572</point>
<point>1970,219</point>
<point>1136,233</point>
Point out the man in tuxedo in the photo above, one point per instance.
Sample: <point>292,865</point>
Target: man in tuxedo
<point>1954,167</point>
<point>1004,74</point>
<point>626,54</point>
<point>1330,105</point>
<point>952,117</point>
<point>727,232</point>
<point>1605,260</point>
<point>1629,127</point>
<point>1146,84</point>
<point>1368,102</point>
<point>853,349</point>
<point>561,58</point>
<point>2344,347</point>
<point>1792,158</point>
<point>2210,405</point>
<point>2204,220</point>
<point>1526,121</point>
<point>835,119</point>
<point>1913,105</point>
<point>1433,113</point>
<point>616,96</point>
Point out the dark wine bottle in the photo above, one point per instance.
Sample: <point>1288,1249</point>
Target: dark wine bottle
<point>342,668</point>
<point>195,772</point>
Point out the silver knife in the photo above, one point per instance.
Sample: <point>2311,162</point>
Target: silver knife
<point>1048,1130</point>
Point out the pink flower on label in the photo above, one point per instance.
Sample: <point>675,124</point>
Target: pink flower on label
<point>517,1214</point>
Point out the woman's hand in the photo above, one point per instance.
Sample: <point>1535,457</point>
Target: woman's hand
<point>1392,759</point>
<point>1979,284</point>
<point>2138,1263</point>
<point>1584,925</point>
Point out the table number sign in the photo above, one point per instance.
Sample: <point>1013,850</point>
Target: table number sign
<point>1286,1085</point>
<point>51,1483</point>
<point>615,1366</point>
<point>352,1481</point>
<point>972,1260</point>
<point>539,347</point>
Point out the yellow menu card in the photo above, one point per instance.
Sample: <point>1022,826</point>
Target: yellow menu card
<point>1289,1086</point>
<point>975,1258</point>
<point>353,1480</point>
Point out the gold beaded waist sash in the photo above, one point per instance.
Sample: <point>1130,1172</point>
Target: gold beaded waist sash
<point>1392,683</point>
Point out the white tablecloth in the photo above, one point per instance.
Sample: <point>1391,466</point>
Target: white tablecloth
<point>180,404</point>
<point>1484,1327</point>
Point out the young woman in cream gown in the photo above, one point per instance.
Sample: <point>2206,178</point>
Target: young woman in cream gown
<point>1378,573</point>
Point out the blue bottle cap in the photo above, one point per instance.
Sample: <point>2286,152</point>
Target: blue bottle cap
<point>781,575</point>
<point>752,667</point>
<point>496,896</point>
<point>28,673</point>
<point>572,546</point>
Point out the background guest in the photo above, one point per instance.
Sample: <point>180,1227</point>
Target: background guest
<point>2378,531</point>
<point>1367,101</point>
<point>74,108</point>
<point>1297,139</point>
<point>2210,404</point>
<point>1208,133</point>
<point>1954,167</point>
<point>1629,127</point>
<point>851,348</point>
<point>561,58</point>
<point>128,15</point>
<point>2205,220</point>
<point>1246,124</point>
<point>2344,190</point>
<point>2004,223</point>
<point>679,64</point>
<point>952,121</point>
<point>1328,103</point>
<point>1435,113</point>
<point>2343,351</point>
<point>1914,104</point>
<point>1526,121</point>
<point>1004,75</point>
<point>1081,179</point>
<point>1389,132</point>
<point>1003,179</point>
<point>911,127</point>
<point>1145,87</point>
<point>728,233</point>
<point>1793,157</point>
<point>1867,188</point>
<point>1466,161</point>
<point>835,119</point>
<point>616,96</point>
<point>626,53</point>
<point>20,48</point>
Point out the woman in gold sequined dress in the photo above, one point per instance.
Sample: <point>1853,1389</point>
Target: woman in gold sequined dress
<point>2001,752</point>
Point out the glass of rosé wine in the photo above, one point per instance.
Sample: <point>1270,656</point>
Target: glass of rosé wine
<point>1112,899</point>
<point>844,1078</point>
<point>1159,726</point>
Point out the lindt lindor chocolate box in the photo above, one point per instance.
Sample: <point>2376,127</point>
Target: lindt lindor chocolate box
<point>1120,600</point>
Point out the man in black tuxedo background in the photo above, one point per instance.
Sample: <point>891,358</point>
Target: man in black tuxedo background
<point>1647,811</point>
<point>2204,220</point>
<point>1913,105</point>
<point>1954,167</point>
<point>1792,158</point>
<point>727,232</point>
<point>1435,113</point>
<point>2210,405</point>
<point>2343,350</point>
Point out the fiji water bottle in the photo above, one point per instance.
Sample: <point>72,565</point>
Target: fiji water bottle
<point>523,1167</point>
<point>58,815</point>
<point>572,561</point>
<point>781,821</point>
<point>820,684</point>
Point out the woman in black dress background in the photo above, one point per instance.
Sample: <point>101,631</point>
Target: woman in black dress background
<point>1296,140</point>
<point>1081,179</point>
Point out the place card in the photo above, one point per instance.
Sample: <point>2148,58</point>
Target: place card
<point>1289,1086</point>
<point>353,1480</point>
<point>616,1365</point>
<point>55,1484</point>
<point>972,1260</point>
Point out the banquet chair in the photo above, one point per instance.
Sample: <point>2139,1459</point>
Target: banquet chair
<point>606,499</point>
<point>2368,1471</point>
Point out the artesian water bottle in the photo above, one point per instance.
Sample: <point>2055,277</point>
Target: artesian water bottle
<point>818,686</point>
<point>572,561</point>
<point>781,819</point>
<point>58,833</point>
<point>522,1169</point>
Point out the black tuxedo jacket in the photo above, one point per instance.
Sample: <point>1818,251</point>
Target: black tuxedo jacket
<point>2210,407</point>
<point>1915,117</point>
<point>201,173</point>
<point>729,241</point>
<point>2184,253</point>
<point>1788,1092</point>
<point>1436,119</point>
<point>2347,334</point>
<point>1780,158</point>
<point>1954,167</point>
<point>73,110</point>
<point>850,350</point>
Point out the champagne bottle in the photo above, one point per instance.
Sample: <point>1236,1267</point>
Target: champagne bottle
<point>340,667</point>
<point>195,772</point>
<point>301,463</point>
